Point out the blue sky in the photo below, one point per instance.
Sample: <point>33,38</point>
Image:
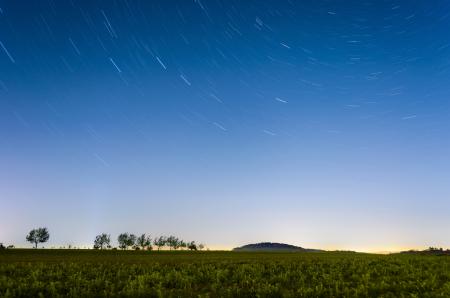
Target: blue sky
<point>317,123</point>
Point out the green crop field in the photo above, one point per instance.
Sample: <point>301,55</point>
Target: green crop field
<point>89,273</point>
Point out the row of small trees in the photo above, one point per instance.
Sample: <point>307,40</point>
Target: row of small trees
<point>145,242</point>
<point>125,240</point>
<point>6,247</point>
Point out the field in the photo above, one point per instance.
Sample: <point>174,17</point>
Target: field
<point>88,273</point>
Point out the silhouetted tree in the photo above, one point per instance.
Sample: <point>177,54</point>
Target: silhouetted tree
<point>144,241</point>
<point>173,242</point>
<point>39,235</point>
<point>102,241</point>
<point>160,241</point>
<point>176,243</point>
<point>131,240</point>
<point>2,246</point>
<point>122,239</point>
<point>192,245</point>
<point>126,240</point>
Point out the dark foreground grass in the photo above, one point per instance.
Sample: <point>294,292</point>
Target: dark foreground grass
<point>87,273</point>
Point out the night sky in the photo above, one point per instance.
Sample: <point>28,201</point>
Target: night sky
<point>323,124</point>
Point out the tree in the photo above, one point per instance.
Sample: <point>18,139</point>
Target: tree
<point>160,241</point>
<point>102,241</point>
<point>144,241</point>
<point>122,239</point>
<point>131,240</point>
<point>126,240</point>
<point>176,243</point>
<point>39,235</point>
<point>192,245</point>
<point>173,242</point>
<point>2,246</point>
<point>170,241</point>
<point>201,246</point>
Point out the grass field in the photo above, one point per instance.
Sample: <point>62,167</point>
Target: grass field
<point>88,273</point>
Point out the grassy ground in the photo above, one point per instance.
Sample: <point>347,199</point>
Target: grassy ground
<point>88,273</point>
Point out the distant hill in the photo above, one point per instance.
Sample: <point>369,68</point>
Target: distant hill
<point>430,251</point>
<point>272,246</point>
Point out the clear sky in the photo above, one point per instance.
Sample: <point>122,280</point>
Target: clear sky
<point>323,124</point>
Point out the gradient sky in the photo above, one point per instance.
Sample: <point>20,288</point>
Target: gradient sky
<point>323,124</point>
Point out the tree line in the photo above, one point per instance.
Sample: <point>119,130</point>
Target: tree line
<point>125,241</point>
<point>145,242</point>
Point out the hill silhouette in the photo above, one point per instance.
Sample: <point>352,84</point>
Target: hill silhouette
<point>273,246</point>
<point>430,251</point>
